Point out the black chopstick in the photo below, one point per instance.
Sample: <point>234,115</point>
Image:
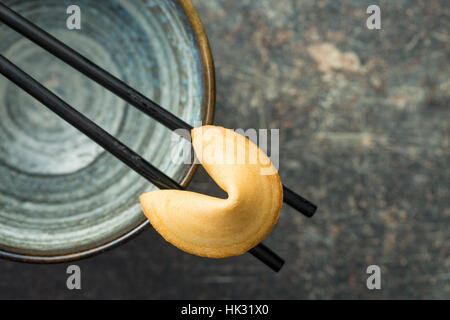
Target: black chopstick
<point>118,87</point>
<point>45,40</point>
<point>109,143</point>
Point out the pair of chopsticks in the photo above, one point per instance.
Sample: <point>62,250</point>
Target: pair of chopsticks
<point>96,133</point>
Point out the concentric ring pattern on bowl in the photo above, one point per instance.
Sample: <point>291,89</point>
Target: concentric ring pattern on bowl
<point>61,195</point>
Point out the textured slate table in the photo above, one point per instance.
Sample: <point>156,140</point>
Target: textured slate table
<point>365,132</point>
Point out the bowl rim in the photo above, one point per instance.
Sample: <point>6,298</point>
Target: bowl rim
<point>208,118</point>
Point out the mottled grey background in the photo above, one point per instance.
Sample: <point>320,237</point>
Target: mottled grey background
<point>365,133</point>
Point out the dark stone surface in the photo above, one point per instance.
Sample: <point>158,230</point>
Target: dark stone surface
<point>365,133</point>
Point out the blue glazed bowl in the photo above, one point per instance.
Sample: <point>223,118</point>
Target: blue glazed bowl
<point>62,197</point>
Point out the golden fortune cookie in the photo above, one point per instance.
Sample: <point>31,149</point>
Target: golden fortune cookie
<point>218,228</point>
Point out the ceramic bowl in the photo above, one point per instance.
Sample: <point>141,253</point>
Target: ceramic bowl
<point>62,197</point>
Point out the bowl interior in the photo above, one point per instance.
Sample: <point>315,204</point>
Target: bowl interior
<point>60,193</point>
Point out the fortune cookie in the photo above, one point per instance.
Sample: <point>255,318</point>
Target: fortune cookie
<point>213,227</point>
